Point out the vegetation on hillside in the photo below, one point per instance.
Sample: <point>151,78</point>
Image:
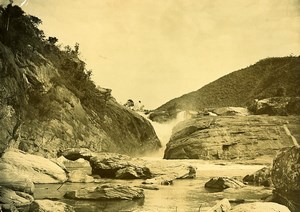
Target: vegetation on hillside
<point>20,33</point>
<point>269,77</point>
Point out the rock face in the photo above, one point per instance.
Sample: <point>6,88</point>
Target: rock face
<point>286,178</point>
<point>43,111</point>
<point>14,199</point>
<point>35,168</point>
<point>230,137</point>
<point>260,206</point>
<point>50,206</point>
<point>260,177</point>
<point>221,183</point>
<point>276,106</point>
<point>107,192</point>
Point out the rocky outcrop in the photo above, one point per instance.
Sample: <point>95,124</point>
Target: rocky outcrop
<point>276,106</point>
<point>231,137</point>
<point>50,206</point>
<point>260,206</point>
<point>14,200</point>
<point>42,111</point>
<point>107,192</point>
<point>260,177</point>
<point>286,178</point>
<point>221,183</point>
<point>37,169</point>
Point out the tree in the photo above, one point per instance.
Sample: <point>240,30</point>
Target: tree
<point>52,40</point>
<point>12,12</point>
<point>76,47</point>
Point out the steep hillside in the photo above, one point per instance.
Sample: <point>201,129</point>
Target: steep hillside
<point>48,101</point>
<point>267,78</point>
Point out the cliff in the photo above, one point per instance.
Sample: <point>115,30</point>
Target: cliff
<point>48,101</point>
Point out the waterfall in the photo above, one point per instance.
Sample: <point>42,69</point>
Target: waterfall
<point>164,131</point>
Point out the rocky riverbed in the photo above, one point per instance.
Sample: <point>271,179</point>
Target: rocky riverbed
<point>134,184</point>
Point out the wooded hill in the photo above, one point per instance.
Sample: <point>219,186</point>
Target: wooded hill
<point>267,78</point>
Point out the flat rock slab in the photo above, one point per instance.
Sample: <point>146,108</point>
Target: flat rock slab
<point>107,192</point>
<point>221,183</point>
<point>50,206</point>
<point>36,168</point>
<point>259,207</point>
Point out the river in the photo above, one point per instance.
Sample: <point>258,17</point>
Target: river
<point>186,195</point>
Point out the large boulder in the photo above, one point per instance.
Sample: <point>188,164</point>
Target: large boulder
<point>286,170</point>
<point>221,183</point>
<point>286,178</point>
<point>259,207</point>
<point>74,154</point>
<point>14,199</point>
<point>10,179</point>
<point>50,206</point>
<point>111,165</point>
<point>33,167</point>
<point>231,137</point>
<point>107,192</point>
<point>260,177</point>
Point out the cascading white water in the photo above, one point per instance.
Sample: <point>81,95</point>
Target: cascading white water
<point>164,131</point>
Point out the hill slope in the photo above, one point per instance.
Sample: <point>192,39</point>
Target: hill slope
<point>267,78</point>
<point>48,101</point>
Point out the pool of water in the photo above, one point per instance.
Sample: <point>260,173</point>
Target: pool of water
<point>184,195</point>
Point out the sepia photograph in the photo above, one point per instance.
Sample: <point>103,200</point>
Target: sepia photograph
<point>150,106</point>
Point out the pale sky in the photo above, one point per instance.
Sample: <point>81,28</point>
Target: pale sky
<point>155,50</point>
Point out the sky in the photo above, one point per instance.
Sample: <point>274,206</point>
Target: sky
<point>154,51</point>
